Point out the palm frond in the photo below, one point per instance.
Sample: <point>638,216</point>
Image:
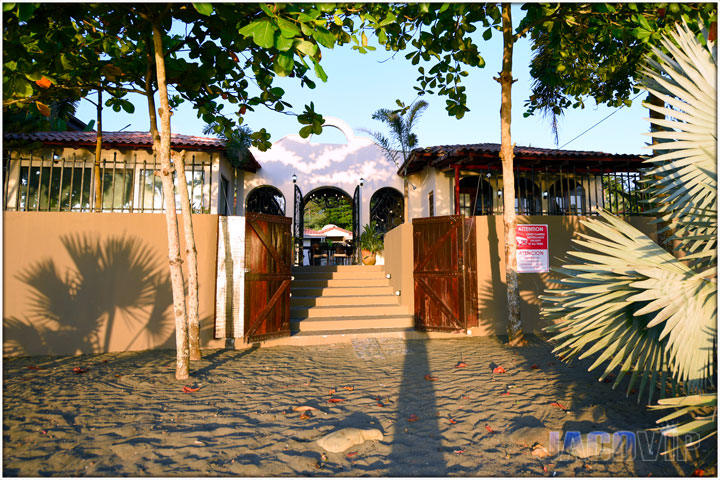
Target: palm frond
<point>683,182</point>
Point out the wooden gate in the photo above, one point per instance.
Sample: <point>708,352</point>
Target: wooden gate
<point>445,273</point>
<point>268,257</point>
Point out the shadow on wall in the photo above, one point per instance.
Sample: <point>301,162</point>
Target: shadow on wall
<point>116,295</point>
<point>492,289</point>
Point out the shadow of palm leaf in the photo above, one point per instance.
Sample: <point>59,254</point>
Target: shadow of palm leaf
<point>76,309</point>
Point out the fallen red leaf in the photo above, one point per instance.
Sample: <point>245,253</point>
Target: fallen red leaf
<point>379,404</point>
<point>80,370</point>
<point>413,418</point>
<point>534,367</point>
<point>430,378</point>
<point>453,422</point>
<point>187,389</point>
<point>335,400</point>
<point>459,452</point>
<point>44,432</point>
<point>332,390</point>
<point>305,416</point>
<point>350,388</point>
<point>545,468</point>
<point>558,404</point>
<point>461,365</point>
<point>351,454</point>
<point>699,472</point>
<point>499,369</point>
<point>505,393</point>
<point>33,367</point>
<point>489,428</point>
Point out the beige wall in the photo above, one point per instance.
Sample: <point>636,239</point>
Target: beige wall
<point>492,300</point>
<point>398,255</point>
<point>66,276</point>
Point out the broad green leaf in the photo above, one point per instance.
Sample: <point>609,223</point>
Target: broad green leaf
<point>204,8</point>
<point>305,47</point>
<point>324,37</point>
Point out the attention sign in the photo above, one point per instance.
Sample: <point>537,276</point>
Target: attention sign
<point>532,249</point>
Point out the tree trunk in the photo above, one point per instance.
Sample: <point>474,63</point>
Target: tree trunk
<point>515,332</point>
<point>161,145</point>
<point>191,257</point>
<point>98,153</point>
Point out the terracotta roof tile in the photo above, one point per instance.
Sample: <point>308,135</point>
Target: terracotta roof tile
<point>126,140</point>
<point>138,139</point>
<point>442,155</point>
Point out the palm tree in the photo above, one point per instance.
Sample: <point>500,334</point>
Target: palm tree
<point>397,146</point>
<point>647,313</point>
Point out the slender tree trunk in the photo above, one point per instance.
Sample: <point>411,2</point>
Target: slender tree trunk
<point>192,264</point>
<point>515,332</point>
<point>161,145</point>
<point>98,155</point>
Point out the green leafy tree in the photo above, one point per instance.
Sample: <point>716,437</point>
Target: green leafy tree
<point>644,312</point>
<point>596,50</point>
<point>401,140</point>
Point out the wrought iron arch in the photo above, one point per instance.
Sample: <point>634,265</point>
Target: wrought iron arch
<point>266,199</point>
<point>387,209</point>
<point>476,196</point>
<point>528,198</point>
<point>566,197</point>
<point>299,224</point>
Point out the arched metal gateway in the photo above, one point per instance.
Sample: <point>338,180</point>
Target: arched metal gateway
<point>309,210</point>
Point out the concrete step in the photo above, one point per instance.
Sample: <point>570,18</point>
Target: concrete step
<point>316,324</point>
<point>340,268</point>
<point>341,275</point>
<point>341,282</point>
<point>324,301</point>
<point>344,311</point>
<point>324,291</point>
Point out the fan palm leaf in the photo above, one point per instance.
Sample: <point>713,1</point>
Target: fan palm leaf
<point>683,182</point>
<point>623,298</point>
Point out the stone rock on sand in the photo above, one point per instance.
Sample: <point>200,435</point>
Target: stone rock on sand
<point>341,440</point>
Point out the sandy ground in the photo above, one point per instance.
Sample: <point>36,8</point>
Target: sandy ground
<point>128,416</point>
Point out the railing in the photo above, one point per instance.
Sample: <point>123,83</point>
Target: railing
<point>557,192</point>
<point>69,185</point>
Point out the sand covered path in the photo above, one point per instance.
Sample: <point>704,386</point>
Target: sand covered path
<point>125,414</point>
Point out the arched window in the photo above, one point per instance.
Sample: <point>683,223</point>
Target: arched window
<point>387,209</point>
<point>266,199</point>
<point>528,198</point>
<point>475,196</point>
<point>566,197</point>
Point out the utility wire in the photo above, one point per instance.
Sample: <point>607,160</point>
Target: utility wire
<point>598,123</point>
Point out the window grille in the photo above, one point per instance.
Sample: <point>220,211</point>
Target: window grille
<point>68,185</point>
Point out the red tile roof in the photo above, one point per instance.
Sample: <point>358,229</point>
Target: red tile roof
<point>116,139</point>
<point>489,154</point>
<point>126,140</point>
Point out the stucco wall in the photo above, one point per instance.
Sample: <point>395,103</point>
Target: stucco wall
<point>324,165</point>
<point>398,255</point>
<point>66,276</point>
<point>492,293</point>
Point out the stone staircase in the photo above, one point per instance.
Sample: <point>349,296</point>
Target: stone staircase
<point>345,300</point>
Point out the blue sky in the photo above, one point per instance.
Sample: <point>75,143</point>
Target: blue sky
<point>360,84</point>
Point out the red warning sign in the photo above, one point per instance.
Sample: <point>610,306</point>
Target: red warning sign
<point>532,248</point>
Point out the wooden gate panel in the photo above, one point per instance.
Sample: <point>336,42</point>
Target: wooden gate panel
<point>268,257</point>
<point>438,273</point>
